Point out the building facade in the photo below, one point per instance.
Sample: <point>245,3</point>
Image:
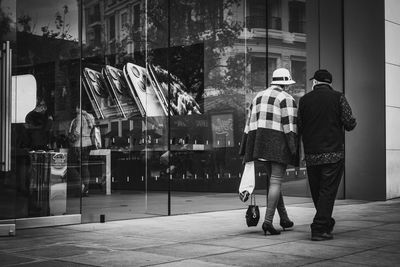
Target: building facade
<point>167,84</point>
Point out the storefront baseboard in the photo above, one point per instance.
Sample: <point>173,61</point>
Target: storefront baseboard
<point>26,223</point>
<point>7,229</point>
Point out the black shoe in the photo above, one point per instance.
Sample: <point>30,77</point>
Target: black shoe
<point>286,223</point>
<point>321,236</point>
<point>268,227</point>
<point>244,196</point>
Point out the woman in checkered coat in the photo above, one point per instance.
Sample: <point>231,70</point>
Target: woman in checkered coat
<point>270,137</point>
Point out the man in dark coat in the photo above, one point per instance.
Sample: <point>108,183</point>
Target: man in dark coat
<point>322,115</point>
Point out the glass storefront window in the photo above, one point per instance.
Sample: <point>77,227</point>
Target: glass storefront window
<point>45,91</point>
<point>161,87</point>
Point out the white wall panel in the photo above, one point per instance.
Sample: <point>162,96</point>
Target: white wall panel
<point>392,85</point>
<point>392,10</point>
<point>392,128</point>
<point>392,174</point>
<point>392,42</point>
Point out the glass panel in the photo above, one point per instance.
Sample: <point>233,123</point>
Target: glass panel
<point>287,41</point>
<point>126,179</point>
<point>209,56</point>
<point>154,25</point>
<point>45,82</point>
<point>11,183</point>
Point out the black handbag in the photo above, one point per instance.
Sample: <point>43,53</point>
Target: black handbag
<point>253,212</point>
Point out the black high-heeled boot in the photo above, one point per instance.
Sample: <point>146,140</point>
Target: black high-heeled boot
<point>286,223</point>
<point>268,227</point>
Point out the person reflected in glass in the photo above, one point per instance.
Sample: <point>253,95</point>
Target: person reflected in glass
<point>270,138</point>
<point>81,144</point>
<point>39,123</point>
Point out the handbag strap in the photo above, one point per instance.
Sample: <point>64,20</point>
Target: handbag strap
<point>253,199</point>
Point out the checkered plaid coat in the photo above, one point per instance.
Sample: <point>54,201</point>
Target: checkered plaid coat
<point>271,129</point>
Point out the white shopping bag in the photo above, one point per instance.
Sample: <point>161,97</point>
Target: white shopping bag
<point>248,178</point>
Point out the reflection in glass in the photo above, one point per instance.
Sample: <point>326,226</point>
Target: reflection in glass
<point>180,101</point>
<point>44,39</point>
<point>287,41</point>
<point>119,88</point>
<point>147,98</point>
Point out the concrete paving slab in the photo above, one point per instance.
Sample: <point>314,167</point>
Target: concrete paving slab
<point>240,242</point>
<point>121,258</point>
<point>373,258</point>
<point>181,236</point>
<point>12,259</point>
<point>331,263</point>
<point>53,263</point>
<point>393,248</point>
<point>90,227</point>
<point>384,218</point>
<point>321,251</point>
<point>359,224</point>
<point>377,234</point>
<point>59,251</point>
<point>41,232</point>
<point>285,236</point>
<point>388,227</point>
<point>16,244</point>
<point>126,243</point>
<point>338,229</point>
<point>192,263</point>
<point>257,258</point>
<point>187,250</point>
<point>353,242</point>
<point>80,237</point>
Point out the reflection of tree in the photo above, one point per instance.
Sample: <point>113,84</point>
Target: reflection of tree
<point>193,22</point>
<point>51,54</point>
<point>190,22</point>
<point>25,21</point>
<point>61,27</point>
<point>235,74</point>
<point>5,22</point>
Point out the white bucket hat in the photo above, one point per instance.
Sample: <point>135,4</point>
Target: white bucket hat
<point>281,76</point>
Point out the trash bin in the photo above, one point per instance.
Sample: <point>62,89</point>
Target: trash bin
<point>48,184</point>
<point>58,183</point>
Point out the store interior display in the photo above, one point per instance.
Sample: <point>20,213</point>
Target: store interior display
<point>137,93</point>
<point>99,95</point>
<point>143,91</point>
<point>120,91</point>
<point>181,102</point>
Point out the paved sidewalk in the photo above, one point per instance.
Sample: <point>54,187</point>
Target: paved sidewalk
<point>367,234</point>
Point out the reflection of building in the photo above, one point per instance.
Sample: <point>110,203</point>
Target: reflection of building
<point>287,39</point>
<point>109,25</point>
<point>54,67</point>
<point>285,25</point>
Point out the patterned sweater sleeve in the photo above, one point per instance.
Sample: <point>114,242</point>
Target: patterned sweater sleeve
<point>349,122</point>
<point>289,123</point>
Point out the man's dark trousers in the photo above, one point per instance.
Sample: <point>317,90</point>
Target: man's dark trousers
<point>324,182</point>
